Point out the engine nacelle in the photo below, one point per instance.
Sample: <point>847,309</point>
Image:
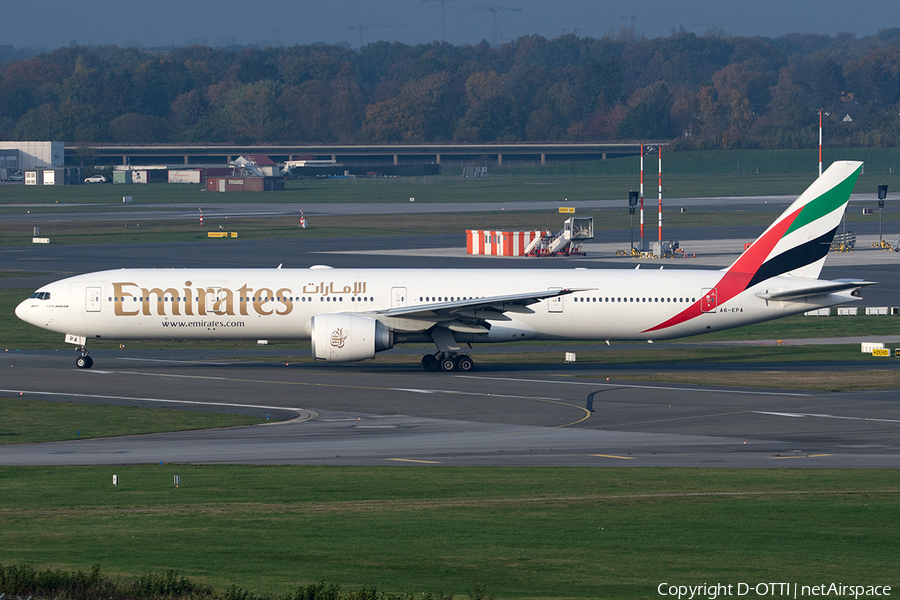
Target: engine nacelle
<point>343,337</point>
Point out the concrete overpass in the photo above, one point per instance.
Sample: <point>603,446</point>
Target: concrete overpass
<point>373,155</point>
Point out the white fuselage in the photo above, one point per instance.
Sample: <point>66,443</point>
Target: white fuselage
<point>614,304</point>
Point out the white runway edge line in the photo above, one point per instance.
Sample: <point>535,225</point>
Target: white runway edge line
<point>167,360</point>
<point>800,415</point>
<point>299,411</point>
<point>640,387</point>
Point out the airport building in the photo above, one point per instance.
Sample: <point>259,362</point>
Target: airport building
<point>36,163</point>
<point>18,156</point>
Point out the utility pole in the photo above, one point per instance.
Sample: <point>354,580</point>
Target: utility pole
<point>495,10</point>
<point>632,201</point>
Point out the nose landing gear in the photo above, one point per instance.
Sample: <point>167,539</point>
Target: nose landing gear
<point>84,361</point>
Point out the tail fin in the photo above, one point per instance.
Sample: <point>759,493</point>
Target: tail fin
<point>798,241</point>
<point>795,244</point>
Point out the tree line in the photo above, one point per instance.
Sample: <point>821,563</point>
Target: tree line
<point>699,92</point>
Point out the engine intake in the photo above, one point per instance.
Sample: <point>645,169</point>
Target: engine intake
<point>342,337</point>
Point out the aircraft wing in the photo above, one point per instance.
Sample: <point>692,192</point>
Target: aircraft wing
<point>816,288</point>
<point>468,315</point>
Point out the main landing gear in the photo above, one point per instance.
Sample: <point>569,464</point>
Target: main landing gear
<point>448,361</point>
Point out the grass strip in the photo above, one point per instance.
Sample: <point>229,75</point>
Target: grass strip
<point>524,532</point>
<point>29,421</point>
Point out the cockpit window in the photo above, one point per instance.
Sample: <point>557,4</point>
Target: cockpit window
<point>41,295</point>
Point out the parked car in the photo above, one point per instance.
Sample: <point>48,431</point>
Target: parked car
<point>15,177</point>
<point>95,179</point>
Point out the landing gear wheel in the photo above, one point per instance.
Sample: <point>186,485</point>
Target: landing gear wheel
<point>448,363</point>
<point>464,363</point>
<point>84,362</point>
<point>430,362</point>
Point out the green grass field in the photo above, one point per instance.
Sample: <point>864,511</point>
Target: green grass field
<point>524,532</point>
<point>31,421</point>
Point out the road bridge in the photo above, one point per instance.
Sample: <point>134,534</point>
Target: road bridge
<point>355,155</point>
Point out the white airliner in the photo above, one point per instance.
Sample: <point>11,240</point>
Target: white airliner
<point>351,314</point>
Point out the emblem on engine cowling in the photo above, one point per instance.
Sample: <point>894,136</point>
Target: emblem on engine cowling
<point>338,338</point>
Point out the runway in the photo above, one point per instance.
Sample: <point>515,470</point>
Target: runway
<point>394,414</point>
<point>377,413</point>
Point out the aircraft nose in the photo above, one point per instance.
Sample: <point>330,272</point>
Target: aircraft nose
<point>22,310</point>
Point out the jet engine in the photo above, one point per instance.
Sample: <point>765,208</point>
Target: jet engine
<point>343,337</point>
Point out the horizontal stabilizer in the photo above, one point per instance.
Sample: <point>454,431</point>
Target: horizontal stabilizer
<point>816,288</point>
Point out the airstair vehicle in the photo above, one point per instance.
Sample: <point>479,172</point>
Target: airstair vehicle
<point>566,242</point>
<point>249,166</point>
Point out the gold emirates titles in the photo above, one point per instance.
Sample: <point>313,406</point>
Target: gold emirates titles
<point>202,301</point>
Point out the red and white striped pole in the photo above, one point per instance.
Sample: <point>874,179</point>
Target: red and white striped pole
<point>820,142</point>
<point>201,215</point>
<point>660,201</point>
<point>642,196</point>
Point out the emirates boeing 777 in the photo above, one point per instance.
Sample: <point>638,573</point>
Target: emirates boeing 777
<point>351,314</point>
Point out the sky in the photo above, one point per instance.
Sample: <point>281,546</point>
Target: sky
<point>51,24</point>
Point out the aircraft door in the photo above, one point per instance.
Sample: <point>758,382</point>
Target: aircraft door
<point>398,297</point>
<point>708,301</point>
<point>555,305</point>
<point>92,299</point>
<point>211,299</point>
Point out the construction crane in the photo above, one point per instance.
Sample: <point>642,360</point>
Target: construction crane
<point>443,18</point>
<point>632,18</point>
<point>362,29</point>
<point>495,10</point>
<point>715,25</point>
<point>574,30</point>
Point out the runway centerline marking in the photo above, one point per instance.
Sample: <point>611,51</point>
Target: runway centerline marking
<point>634,386</point>
<point>801,456</point>
<point>614,456</point>
<point>821,416</point>
<point>167,360</point>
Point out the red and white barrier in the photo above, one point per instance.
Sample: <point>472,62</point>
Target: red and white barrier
<point>500,243</point>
